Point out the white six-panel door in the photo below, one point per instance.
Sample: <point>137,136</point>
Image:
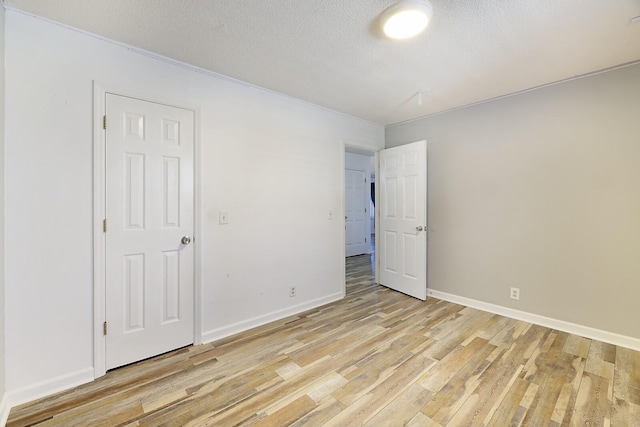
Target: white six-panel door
<point>355,212</point>
<point>403,219</point>
<point>149,209</point>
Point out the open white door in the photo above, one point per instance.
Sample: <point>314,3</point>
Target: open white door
<point>149,226</point>
<point>356,212</point>
<point>403,219</point>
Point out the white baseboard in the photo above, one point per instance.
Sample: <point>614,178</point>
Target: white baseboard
<point>74,379</point>
<point>560,325</point>
<point>226,331</point>
<point>47,388</point>
<point>4,410</point>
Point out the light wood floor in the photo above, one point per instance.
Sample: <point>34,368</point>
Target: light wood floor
<point>376,358</point>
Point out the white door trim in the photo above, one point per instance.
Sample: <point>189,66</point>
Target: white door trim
<point>99,209</point>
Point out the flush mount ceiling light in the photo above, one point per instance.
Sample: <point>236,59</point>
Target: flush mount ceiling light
<point>406,18</point>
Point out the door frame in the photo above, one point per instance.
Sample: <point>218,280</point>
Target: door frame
<point>99,208</point>
<point>365,148</point>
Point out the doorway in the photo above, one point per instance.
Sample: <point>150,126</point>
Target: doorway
<point>144,251</point>
<point>399,260</point>
<point>359,211</point>
<point>358,201</point>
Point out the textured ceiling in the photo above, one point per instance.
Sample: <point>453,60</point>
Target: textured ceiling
<point>331,53</point>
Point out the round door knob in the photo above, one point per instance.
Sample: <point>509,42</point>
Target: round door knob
<point>419,228</point>
<point>186,240</point>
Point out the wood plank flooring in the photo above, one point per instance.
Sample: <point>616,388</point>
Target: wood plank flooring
<point>376,358</point>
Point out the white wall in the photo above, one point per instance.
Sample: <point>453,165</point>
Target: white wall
<point>273,162</point>
<point>540,191</point>
<point>3,408</point>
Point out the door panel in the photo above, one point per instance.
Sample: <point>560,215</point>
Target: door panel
<point>171,286</point>
<point>389,258</point>
<point>134,292</point>
<point>403,219</point>
<point>134,184</point>
<point>149,207</point>
<point>171,192</point>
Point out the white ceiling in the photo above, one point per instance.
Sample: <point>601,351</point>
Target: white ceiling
<point>331,52</point>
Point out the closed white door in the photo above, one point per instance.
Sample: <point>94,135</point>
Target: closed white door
<point>355,212</point>
<point>149,210</point>
<point>403,219</point>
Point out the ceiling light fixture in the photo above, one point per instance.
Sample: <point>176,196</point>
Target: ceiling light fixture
<point>406,19</point>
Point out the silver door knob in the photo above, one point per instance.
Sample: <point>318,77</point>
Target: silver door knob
<point>186,240</point>
<point>419,228</point>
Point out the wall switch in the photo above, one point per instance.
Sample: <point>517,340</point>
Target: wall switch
<point>515,293</point>
<point>292,291</point>
<point>223,217</point>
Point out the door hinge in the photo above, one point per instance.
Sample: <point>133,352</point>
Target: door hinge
<point>365,210</point>
<point>104,328</point>
<point>104,122</point>
<point>365,240</point>
<point>104,225</point>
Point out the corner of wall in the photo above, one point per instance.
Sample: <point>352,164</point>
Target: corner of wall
<point>274,316</point>
<point>4,410</point>
<point>4,407</point>
<point>552,323</point>
<point>513,185</point>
